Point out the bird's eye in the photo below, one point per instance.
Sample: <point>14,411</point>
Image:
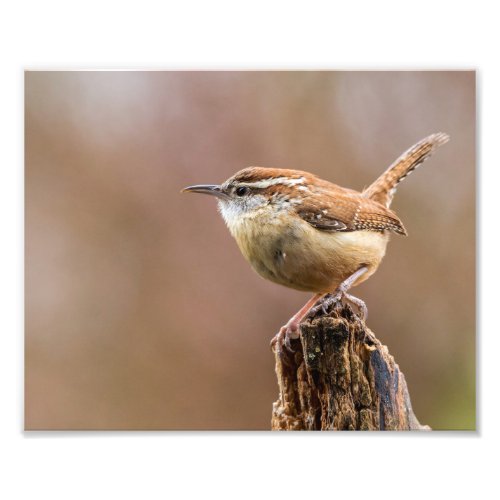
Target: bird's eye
<point>242,191</point>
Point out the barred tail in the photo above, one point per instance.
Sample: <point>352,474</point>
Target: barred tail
<point>383,189</point>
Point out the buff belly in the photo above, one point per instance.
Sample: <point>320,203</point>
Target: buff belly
<point>302,257</point>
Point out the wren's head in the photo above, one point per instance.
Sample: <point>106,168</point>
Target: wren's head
<point>252,189</point>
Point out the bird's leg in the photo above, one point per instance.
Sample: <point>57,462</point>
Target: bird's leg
<point>340,292</point>
<point>320,301</point>
<point>292,329</point>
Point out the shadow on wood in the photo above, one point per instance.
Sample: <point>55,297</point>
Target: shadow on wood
<point>340,377</point>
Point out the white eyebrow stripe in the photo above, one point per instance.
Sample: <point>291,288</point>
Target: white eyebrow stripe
<point>285,181</point>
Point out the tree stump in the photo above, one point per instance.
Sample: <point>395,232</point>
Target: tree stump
<point>340,377</point>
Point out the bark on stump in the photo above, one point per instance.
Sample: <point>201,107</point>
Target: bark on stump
<point>341,377</point>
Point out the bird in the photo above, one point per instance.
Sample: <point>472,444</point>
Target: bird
<point>300,231</point>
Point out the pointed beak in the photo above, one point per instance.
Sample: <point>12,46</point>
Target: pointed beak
<point>212,189</point>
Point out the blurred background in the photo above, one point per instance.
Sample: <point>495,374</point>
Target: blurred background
<point>140,311</point>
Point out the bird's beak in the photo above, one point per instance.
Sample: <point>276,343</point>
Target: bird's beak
<point>212,189</point>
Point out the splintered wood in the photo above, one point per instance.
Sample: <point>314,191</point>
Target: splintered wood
<point>340,377</point>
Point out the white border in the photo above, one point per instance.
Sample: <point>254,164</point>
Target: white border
<point>245,35</point>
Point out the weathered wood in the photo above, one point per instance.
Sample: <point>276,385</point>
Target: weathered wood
<point>340,377</point>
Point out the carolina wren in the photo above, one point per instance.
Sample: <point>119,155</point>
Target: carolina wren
<point>303,232</point>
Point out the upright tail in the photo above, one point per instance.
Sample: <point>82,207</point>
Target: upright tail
<point>383,189</point>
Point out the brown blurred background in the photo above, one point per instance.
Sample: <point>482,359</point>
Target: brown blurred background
<point>140,311</point>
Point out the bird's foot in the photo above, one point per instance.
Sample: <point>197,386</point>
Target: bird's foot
<point>362,309</point>
<point>326,303</point>
<point>282,339</point>
<point>292,329</point>
<point>335,299</point>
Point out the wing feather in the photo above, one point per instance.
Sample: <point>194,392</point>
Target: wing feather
<point>328,207</point>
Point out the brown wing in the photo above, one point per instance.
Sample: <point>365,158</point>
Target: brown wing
<point>331,208</point>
